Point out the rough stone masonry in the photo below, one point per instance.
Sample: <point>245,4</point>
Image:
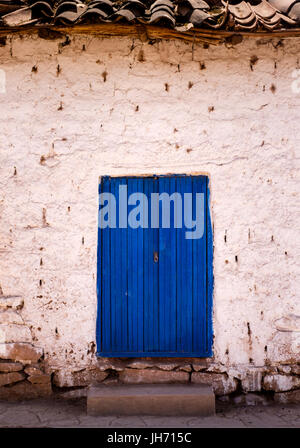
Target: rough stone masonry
<point>22,372</point>
<point>74,109</point>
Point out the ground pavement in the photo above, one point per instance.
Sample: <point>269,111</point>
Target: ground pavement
<point>61,413</point>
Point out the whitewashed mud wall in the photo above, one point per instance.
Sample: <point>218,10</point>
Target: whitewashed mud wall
<point>73,110</point>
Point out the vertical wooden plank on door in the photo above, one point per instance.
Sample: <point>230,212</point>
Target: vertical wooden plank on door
<point>173,271</point>
<point>150,268</point>
<point>199,275</point>
<point>123,251</point>
<point>140,270</point>
<point>171,275</point>
<point>181,274</point>
<point>99,280</point>
<point>115,290</point>
<point>155,280</point>
<point>209,274</point>
<point>105,296</point>
<point>132,276</point>
<point>186,271</point>
<point>184,275</point>
<point>147,284</point>
<point>179,277</point>
<point>167,273</point>
<point>118,262</point>
<point>162,259</point>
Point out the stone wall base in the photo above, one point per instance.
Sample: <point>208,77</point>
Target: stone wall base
<point>26,378</point>
<point>24,374</point>
<point>241,385</point>
<point>22,369</point>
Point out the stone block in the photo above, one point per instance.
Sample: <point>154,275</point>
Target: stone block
<point>159,364</point>
<point>154,399</point>
<point>281,383</point>
<point>82,377</point>
<point>252,382</point>
<point>285,369</point>
<point>200,365</point>
<point>185,367</point>
<point>7,367</point>
<point>25,391</point>
<point>74,394</point>
<point>9,378</point>
<point>23,352</point>
<point>292,397</point>
<point>296,369</point>
<point>30,370</point>
<point>151,376</point>
<point>39,379</point>
<point>111,380</point>
<point>216,368</point>
<point>251,399</point>
<point>221,383</point>
<point>110,364</point>
<point>152,363</point>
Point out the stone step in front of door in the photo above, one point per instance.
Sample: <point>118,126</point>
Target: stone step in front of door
<point>151,399</point>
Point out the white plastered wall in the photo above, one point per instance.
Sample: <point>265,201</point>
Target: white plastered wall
<point>71,113</point>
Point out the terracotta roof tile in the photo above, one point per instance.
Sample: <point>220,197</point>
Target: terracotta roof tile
<point>245,15</point>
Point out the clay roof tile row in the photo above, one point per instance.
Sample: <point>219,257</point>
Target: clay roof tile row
<point>246,15</point>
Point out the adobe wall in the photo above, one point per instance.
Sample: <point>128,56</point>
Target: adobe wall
<point>72,111</point>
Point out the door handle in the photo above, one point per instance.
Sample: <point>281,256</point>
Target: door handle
<point>155,257</point>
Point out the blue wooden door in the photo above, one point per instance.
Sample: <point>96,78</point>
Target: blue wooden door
<point>154,284</point>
